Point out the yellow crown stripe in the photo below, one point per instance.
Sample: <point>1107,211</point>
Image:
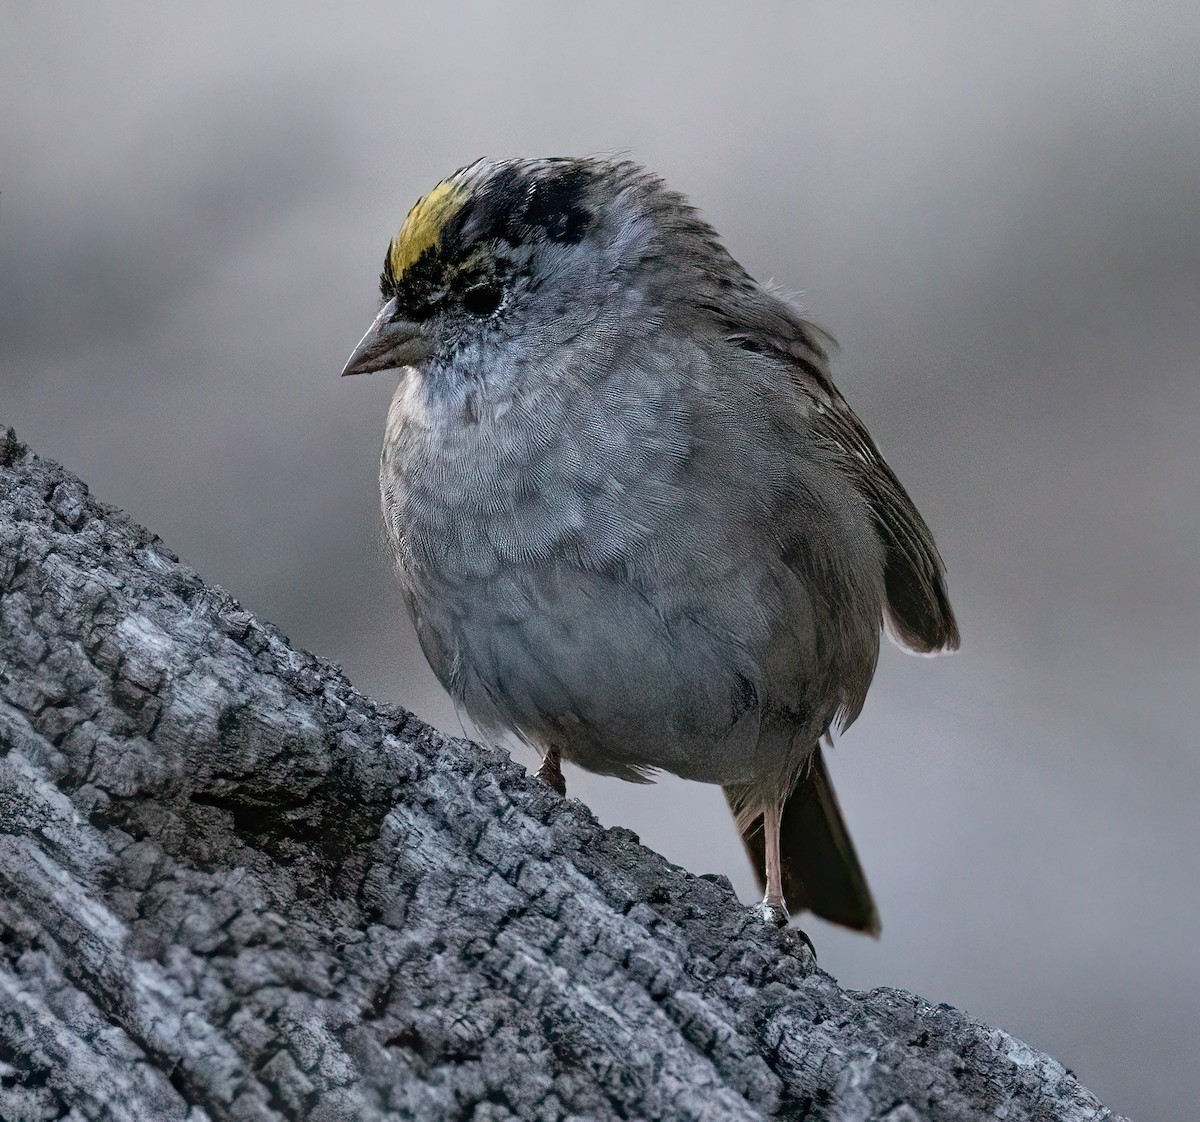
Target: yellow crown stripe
<point>423,227</point>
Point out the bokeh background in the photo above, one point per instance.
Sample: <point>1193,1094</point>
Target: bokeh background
<point>995,207</point>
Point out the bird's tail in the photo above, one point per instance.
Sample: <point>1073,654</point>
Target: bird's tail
<point>821,872</point>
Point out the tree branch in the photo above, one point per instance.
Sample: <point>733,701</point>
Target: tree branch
<point>235,888</point>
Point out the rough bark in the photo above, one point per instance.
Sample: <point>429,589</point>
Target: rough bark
<point>235,888</point>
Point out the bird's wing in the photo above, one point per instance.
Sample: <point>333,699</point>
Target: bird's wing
<point>918,610</point>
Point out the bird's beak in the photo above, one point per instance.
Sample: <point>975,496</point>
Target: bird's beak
<point>388,344</point>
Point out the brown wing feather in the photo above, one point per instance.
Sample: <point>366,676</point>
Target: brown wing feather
<point>918,607</point>
<point>918,610</point>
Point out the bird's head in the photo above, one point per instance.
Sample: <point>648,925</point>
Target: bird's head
<point>508,262</point>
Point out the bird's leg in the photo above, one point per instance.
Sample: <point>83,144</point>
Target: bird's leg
<point>551,770</point>
<point>773,909</point>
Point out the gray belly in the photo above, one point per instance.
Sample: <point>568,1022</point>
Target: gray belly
<point>635,612</point>
<point>586,664</point>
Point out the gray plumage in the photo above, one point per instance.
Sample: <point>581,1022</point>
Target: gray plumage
<point>635,522</point>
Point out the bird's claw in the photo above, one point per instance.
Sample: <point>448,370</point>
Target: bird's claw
<point>772,912</point>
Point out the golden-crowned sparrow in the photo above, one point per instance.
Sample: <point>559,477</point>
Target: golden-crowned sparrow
<point>635,521</point>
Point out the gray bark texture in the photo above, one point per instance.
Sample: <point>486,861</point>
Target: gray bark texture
<point>235,888</point>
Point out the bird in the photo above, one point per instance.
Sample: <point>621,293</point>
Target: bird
<point>635,523</point>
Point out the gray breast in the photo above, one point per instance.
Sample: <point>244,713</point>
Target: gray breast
<point>642,586</point>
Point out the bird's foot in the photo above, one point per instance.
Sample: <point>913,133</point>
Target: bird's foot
<point>551,773</point>
<point>772,911</point>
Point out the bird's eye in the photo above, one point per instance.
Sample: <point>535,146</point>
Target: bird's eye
<point>481,299</point>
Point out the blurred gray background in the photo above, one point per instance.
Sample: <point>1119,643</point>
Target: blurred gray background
<point>996,208</point>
